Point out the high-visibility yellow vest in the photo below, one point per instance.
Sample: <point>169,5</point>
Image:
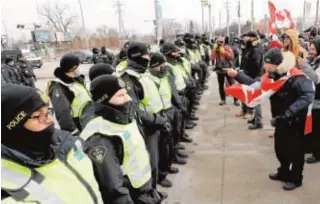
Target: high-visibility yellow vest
<point>179,76</point>
<point>198,56</point>
<point>202,53</point>
<point>192,56</point>
<point>121,66</point>
<point>57,182</point>
<point>187,66</point>
<point>81,96</point>
<point>136,163</point>
<point>151,102</point>
<point>164,90</point>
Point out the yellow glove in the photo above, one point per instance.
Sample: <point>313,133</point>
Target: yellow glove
<point>222,50</point>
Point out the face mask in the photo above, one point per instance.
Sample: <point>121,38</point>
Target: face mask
<point>78,73</point>
<point>182,51</point>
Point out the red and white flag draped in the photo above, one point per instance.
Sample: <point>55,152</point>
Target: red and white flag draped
<point>258,92</point>
<point>279,19</point>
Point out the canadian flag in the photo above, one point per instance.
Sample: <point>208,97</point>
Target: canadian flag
<point>258,92</point>
<point>279,19</point>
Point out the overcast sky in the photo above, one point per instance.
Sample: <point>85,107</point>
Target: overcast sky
<point>137,12</point>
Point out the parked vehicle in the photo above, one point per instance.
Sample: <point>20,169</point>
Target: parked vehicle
<point>85,56</point>
<point>34,60</point>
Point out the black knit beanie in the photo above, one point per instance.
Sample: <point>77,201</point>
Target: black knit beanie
<point>157,59</point>
<point>18,103</point>
<point>273,56</point>
<point>103,87</point>
<point>100,69</point>
<point>69,62</point>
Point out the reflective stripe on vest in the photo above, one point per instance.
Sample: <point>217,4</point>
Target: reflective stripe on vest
<point>59,184</point>
<point>81,96</point>
<point>164,90</point>
<point>136,163</point>
<point>151,102</point>
<point>178,76</point>
<point>14,177</point>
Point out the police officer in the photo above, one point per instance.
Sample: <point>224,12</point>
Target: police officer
<point>40,164</point>
<point>180,77</point>
<point>68,93</point>
<point>116,146</point>
<point>87,112</point>
<point>168,143</point>
<point>107,56</point>
<point>27,71</point>
<point>191,92</point>
<point>12,74</point>
<point>144,93</point>
<point>96,56</point>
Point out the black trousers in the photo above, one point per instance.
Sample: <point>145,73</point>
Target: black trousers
<point>316,132</point>
<point>221,81</point>
<point>290,150</point>
<point>152,142</point>
<point>168,142</point>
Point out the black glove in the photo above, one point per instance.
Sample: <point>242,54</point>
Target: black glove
<point>273,121</point>
<point>167,128</point>
<point>160,121</point>
<point>185,112</point>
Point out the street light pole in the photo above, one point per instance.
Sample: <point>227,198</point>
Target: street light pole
<point>317,13</point>
<point>202,10</point>
<point>210,23</point>
<point>83,25</point>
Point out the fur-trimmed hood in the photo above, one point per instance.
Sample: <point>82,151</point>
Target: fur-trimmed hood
<point>289,61</point>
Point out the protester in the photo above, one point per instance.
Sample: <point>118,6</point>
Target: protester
<point>223,56</point>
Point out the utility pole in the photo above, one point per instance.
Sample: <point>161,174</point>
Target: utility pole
<point>252,15</point>
<point>202,11</point>
<point>220,22</point>
<point>228,17</point>
<point>317,13</point>
<point>120,19</point>
<point>304,15</point>
<point>83,25</point>
<point>210,23</point>
<point>239,19</point>
<point>158,21</point>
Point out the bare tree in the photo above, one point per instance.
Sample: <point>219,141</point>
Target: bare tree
<point>58,16</point>
<point>170,28</point>
<point>103,30</point>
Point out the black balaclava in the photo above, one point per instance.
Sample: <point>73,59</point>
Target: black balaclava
<point>103,50</point>
<point>135,52</point>
<point>157,59</point>
<point>102,89</point>
<point>18,103</point>
<point>100,69</point>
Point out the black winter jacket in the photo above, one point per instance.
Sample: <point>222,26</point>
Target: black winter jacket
<point>252,60</point>
<point>61,99</point>
<point>12,75</point>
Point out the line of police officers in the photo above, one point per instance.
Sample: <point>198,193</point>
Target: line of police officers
<point>130,124</point>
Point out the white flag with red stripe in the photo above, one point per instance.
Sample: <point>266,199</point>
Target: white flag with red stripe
<point>258,92</point>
